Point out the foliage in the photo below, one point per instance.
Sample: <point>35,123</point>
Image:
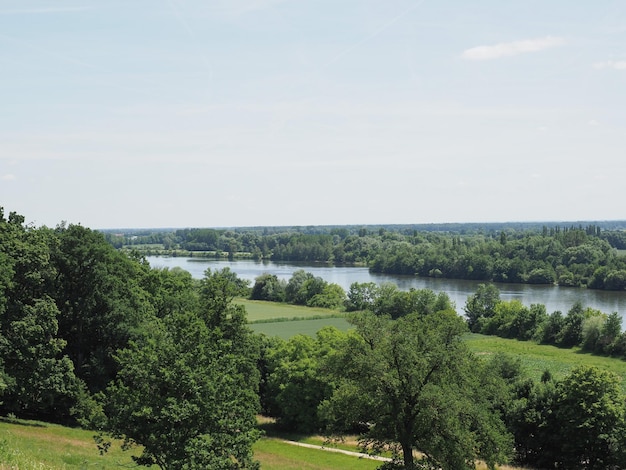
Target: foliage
<point>391,301</point>
<point>186,390</point>
<point>36,377</point>
<point>268,287</point>
<point>577,422</point>
<point>102,303</point>
<point>361,296</point>
<point>295,385</point>
<point>481,305</point>
<point>512,319</point>
<point>412,383</point>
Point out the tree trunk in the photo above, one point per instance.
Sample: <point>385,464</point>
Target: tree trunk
<point>407,452</point>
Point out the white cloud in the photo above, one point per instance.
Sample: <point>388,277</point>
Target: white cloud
<point>611,64</point>
<point>507,49</point>
<point>593,123</point>
<point>8,177</point>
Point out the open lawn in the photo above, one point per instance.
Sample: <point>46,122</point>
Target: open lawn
<point>275,454</point>
<point>42,446</point>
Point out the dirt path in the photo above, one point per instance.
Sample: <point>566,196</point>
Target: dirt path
<point>340,451</point>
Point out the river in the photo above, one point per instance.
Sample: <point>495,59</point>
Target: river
<point>553,297</point>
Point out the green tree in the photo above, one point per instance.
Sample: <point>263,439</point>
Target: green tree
<point>187,388</point>
<point>296,291</point>
<point>481,304</point>
<point>43,380</point>
<point>531,419</point>
<point>590,413</point>
<point>413,383</point>
<point>611,331</point>
<point>36,377</point>
<point>295,383</point>
<point>361,296</point>
<point>332,296</point>
<point>102,303</point>
<point>268,287</point>
<point>170,290</point>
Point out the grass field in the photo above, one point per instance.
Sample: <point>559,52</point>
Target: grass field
<point>262,311</point>
<point>538,358</point>
<point>42,446</point>
<point>288,329</point>
<point>275,454</point>
<point>26,445</point>
<point>286,320</point>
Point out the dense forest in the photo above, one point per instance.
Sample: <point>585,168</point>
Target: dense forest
<point>93,336</point>
<point>569,255</point>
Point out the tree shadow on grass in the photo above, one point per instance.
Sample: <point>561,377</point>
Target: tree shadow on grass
<point>271,428</point>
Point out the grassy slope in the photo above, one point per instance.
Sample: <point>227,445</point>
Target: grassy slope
<point>29,444</point>
<point>42,446</point>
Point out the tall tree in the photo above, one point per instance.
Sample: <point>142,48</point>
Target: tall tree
<point>414,383</point>
<point>481,305</point>
<point>590,411</point>
<point>187,389</point>
<point>36,377</point>
<point>102,303</point>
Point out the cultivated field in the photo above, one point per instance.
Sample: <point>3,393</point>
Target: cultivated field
<point>285,320</point>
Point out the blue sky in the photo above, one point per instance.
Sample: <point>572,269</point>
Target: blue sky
<point>212,113</point>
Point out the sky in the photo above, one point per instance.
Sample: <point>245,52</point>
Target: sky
<point>226,113</point>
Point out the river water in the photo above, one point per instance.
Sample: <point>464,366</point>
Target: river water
<point>553,297</point>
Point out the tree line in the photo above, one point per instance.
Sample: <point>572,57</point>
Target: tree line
<point>572,256</point>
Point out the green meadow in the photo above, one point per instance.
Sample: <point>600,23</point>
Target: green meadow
<point>260,311</point>
<point>537,358</point>
<point>286,320</point>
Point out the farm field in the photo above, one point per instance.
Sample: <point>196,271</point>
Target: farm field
<point>288,329</point>
<point>259,310</point>
<point>286,320</point>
